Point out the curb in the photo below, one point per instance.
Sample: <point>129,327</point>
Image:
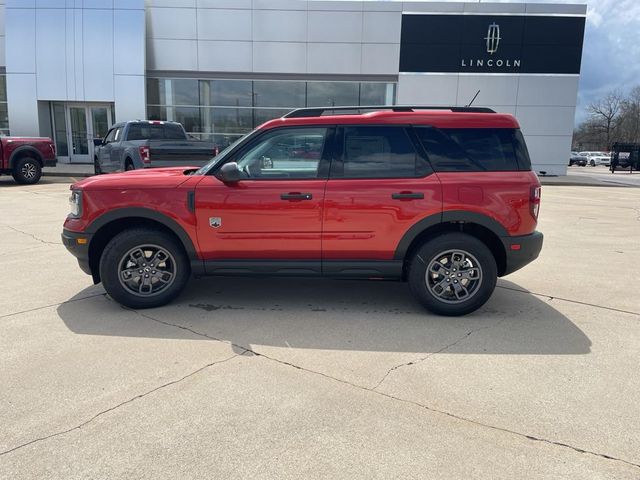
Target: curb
<point>566,183</point>
<point>66,174</point>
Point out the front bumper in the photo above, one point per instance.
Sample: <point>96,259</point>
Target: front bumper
<point>521,251</point>
<point>50,162</point>
<point>78,244</point>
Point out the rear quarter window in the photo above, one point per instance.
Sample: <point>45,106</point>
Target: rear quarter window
<point>474,149</point>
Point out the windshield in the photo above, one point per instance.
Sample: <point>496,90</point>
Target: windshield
<point>220,157</point>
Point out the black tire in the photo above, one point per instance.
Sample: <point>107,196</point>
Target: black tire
<point>128,165</point>
<point>592,163</point>
<point>27,171</point>
<point>96,166</point>
<point>115,258</point>
<point>479,290</point>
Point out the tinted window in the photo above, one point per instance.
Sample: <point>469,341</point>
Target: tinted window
<point>278,94</point>
<point>378,152</point>
<point>474,149</point>
<point>173,132</point>
<point>329,94</point>
<point>145,131</point>
<point>286,153</point>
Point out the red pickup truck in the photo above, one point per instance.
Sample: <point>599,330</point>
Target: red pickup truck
<point>24,157</point>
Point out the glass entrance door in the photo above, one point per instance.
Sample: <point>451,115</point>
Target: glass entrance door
<point>79,135</point>
<point>84,124</point>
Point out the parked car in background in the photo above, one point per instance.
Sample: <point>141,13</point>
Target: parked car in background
<point>24,157</point>
<point>628,155</point>
<point>596,158</point>
<point>144,144</point>
<point>576,159</point>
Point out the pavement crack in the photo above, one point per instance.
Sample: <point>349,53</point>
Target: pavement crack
<point>119,405</point>
<point>29,310</point>
<point>247,350</point>
<point>578,302</point>
<point>443,349</point>
<point>32,236</point>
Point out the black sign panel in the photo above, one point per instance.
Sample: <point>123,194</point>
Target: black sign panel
<point>491,43</point>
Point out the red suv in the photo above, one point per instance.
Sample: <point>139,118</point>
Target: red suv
<point>443,198</point>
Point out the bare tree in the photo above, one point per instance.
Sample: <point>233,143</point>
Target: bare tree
<point>629,124</point>
<point>605,113</point>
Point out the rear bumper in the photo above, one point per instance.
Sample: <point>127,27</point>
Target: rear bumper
<point>521,250</point>
<point>78,250</point>
<point>50,162</point>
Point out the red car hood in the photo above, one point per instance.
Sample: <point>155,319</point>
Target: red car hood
<point>139,179</point>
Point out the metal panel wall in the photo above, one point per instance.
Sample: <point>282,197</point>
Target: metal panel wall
<point>274,36</point>
<point>73,50</point>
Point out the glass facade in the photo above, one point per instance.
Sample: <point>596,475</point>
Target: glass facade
<point>223,110</point>
<point>4,112</point>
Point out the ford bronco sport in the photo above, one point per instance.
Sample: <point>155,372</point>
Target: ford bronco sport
<point>442,198</point>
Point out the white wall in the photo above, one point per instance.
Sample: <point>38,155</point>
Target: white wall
<point>74,50</point>
<point>274,36</point>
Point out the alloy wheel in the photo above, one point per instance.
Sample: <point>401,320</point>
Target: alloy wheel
<point>28,171</point>
<point>453,276</point>
<point>147,270</point>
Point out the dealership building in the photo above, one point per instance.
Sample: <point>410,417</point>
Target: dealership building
<point>71,68</point>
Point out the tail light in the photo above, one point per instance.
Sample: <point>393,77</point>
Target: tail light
<point>534,202</point>
<point>145,155</point>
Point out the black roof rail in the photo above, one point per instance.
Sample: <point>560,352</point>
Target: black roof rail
<point>318,111</point>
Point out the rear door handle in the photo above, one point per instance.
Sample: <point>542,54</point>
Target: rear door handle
<point>407,196</point>
<point>296,196</point>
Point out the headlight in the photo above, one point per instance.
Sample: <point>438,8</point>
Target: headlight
<point>75,203</point>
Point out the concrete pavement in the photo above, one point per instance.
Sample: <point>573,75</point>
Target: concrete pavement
<point>291,378</point>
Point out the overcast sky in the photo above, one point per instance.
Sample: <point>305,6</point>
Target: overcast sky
<point>611,53</point>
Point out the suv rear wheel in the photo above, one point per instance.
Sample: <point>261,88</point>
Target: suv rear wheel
<point>27,171</point>
<point>144,268</point>
<point>453,274</point>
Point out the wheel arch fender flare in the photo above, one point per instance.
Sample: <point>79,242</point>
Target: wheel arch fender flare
<point>443,218</point>
<point>25,151</point>
<point>148,214</point>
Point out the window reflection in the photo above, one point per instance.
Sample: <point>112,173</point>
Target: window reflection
<point>221,110</point>
<point>332,94</point>
<point>282,93</point>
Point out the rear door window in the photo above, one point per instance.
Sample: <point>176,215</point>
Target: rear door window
<point>474,149</point>
<point>377,152</point>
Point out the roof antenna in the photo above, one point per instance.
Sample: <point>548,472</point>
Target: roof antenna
<point>474,97</point>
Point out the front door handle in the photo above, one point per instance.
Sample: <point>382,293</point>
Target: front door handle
<point>407,196</point>
<point>296,196</point>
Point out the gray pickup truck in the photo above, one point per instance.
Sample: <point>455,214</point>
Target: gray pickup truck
<point>145,144</point>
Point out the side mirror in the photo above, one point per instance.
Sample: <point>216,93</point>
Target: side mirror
<point>229,173</point>
<point>97,142</point>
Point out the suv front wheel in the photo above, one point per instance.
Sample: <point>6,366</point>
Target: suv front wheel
<point>453,274</point>
<point>144,268</point>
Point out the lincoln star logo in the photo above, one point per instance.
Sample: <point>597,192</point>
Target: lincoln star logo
<point>493,38</point>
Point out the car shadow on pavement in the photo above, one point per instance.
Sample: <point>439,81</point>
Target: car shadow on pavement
<point>333,315</point>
